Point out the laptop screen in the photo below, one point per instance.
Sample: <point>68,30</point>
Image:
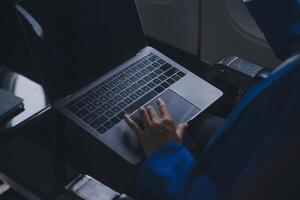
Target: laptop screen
<point>75,41</point>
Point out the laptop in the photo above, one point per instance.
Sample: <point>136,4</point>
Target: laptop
<point>96,65</point>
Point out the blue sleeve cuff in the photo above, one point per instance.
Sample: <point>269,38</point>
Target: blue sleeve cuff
<point>166,169</point>
<point>170,153</point>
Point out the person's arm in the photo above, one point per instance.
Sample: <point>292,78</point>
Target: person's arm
<point>170,172</point>
<point>279,20</point>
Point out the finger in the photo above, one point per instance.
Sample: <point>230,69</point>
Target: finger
<point>145,117</point>
<point>181,130</point>
<point>163,109</point>
<point>152,114</point>
<point>136,129</point>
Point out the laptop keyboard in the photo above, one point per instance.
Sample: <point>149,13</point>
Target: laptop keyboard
<point>105,104</point>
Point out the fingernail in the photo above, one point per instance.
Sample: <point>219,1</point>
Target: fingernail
<point>159,100</point>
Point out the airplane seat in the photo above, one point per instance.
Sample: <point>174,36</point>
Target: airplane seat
<point>273,170</point>
<point>259,110</point>
<point>207,29</point>
<point>173,22</point>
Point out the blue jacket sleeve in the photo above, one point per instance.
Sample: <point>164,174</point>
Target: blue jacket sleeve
<point>172,173</point>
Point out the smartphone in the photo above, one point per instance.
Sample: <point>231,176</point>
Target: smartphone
<point>85,187</point>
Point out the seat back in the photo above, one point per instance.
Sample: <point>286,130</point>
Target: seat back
<point>264,122</point>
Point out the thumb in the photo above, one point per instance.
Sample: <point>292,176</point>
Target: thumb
<point>181,130</point>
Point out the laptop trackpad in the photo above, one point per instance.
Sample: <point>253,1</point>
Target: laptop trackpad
<point>181,110</point>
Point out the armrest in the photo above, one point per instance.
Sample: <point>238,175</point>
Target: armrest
<point>235,77</point>
<point>264,74</point>
<point>237,72</point>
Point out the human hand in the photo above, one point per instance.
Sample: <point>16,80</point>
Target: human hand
<point>158,130</point>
